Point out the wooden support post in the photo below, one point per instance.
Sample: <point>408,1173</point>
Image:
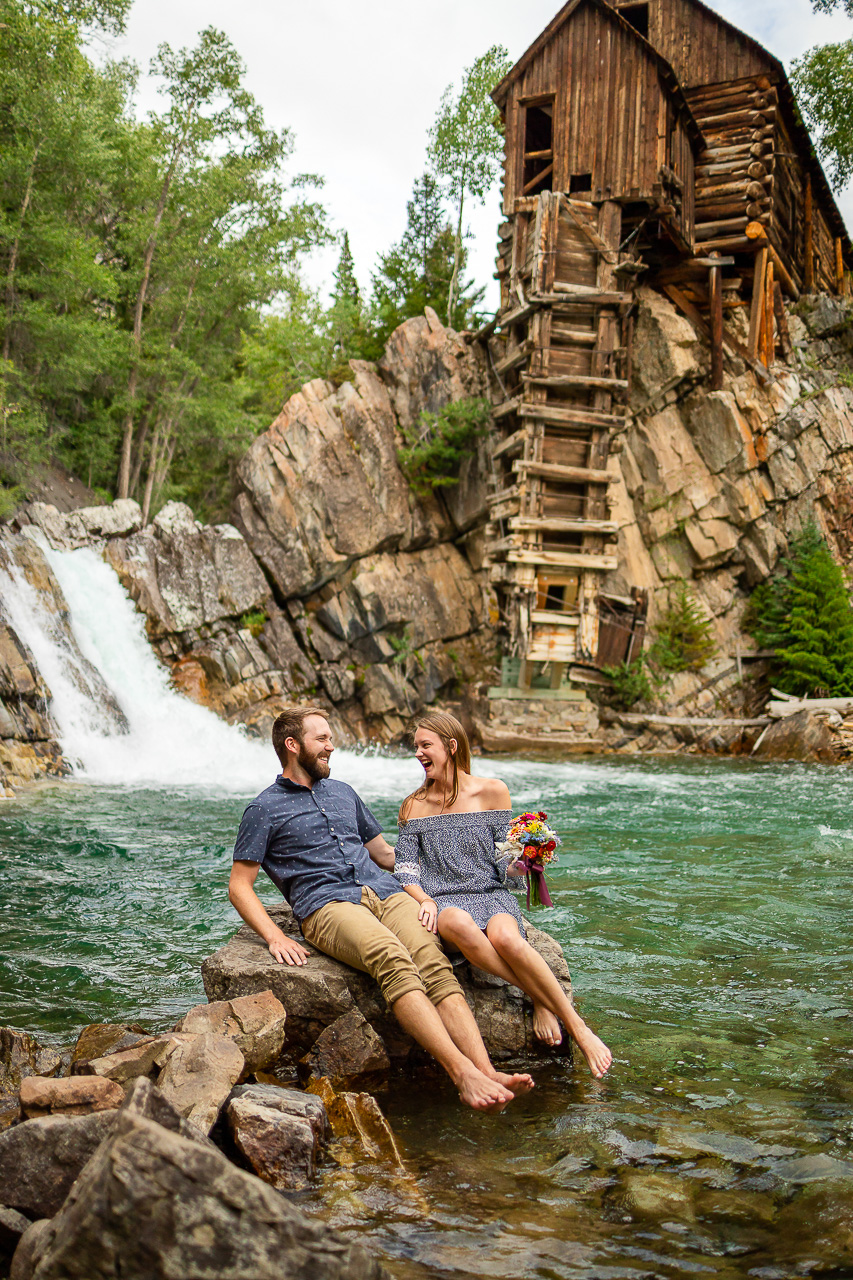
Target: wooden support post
<point>525,674</point>
<point>715,292</point>
<point>557,669</point>
<point>839,267</point>
<point>781,319</point>
<point>757,306</point>
<point>808,266</point>
<point>768,344</point>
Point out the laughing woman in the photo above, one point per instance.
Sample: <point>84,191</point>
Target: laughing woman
<point>445,858</point>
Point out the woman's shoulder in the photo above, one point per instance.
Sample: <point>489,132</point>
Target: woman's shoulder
<point>490,792</point>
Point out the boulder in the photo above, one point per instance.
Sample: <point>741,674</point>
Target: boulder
<point>201,1216</point>
<point>79,528</point>
<point>278,1132</point>
<point>316,994</point>
<point>70,1096</point>
<point>40,1159</point>
<point>199,1075</point>
<point>29,1247</point>
<point>100,1038</point>
<point>348,1052</point>
<point>20,1057</point>
<point>802,736</point>
<point>255,1023</point>
<point>12,1227</point>
<point>144,1058</point>
<point>144,1099</point>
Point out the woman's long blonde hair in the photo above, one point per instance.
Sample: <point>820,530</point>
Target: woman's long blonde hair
<point>447,729</point>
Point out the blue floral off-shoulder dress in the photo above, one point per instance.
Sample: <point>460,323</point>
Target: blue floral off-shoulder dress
<point>451,856</point>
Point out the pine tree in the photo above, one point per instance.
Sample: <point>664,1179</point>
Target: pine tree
<point>804,614</point>
<point>349,331</point>
<point>416,273</point>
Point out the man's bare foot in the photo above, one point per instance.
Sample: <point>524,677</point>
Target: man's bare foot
<point>480,1092</point>
<point>596,1052</point>
<point>516,1084</point>
<point>546,1027</point>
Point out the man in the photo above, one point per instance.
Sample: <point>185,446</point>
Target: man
<point>322,847</point>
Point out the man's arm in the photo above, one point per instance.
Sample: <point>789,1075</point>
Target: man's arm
<point>381,852</point>
<point>241,894</point>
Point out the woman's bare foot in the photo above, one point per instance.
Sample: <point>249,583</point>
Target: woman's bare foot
<point>546,1027</point>
<point>596,1052</point>
<point>516,1084</point>
<point>483,1094</point>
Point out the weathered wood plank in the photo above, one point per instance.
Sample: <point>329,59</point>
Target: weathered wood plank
<point>566,475</point>
<point>564,559</point>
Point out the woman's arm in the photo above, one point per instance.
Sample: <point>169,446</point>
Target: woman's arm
<point>407,869</point>
<point>428,914</point>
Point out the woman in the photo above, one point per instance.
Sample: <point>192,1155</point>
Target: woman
<point>445,859</point>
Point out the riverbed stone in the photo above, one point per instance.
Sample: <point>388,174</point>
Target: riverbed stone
<point>318,993</point>
<point>70,1096</point>
<point>144,1099</point>
<point>358,1124</point>
<point>40,1158</point>
<point>655,1195</point>
<point>255,1023</point>
<point>145,1058</point>
<point>202,1217</point>
<point>100,1038</point>
<point>199,1075</point>
<point>12,1226</point>
<point>20,1057</point>
<point>348,1052</point>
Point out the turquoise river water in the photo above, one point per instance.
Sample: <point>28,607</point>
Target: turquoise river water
<point>705,911</point>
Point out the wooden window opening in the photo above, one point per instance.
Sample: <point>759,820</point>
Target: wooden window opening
<point>580,184</point>
<point>538,165</point>
<point>637,15</point>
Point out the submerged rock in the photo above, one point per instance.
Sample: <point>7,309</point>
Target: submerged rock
<point>201,1216</point>
<point>320,992</point>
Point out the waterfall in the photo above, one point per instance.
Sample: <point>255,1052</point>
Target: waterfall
<point>118,719</point>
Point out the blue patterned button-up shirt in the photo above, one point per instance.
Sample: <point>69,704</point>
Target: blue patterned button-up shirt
<point>310,842</point>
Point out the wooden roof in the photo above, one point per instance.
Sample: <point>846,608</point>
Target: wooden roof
<point>775,67</point>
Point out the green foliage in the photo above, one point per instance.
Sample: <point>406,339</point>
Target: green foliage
<point>435,449</point>
<point>416,273</point>
<point>466,146</point>
<point>823,81</point>
<point>254,621</point>
<point>684,640</point>
<point>803,613</point>
<point>631,684</point>
<point>403,648</point>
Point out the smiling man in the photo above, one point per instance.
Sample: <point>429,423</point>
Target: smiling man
<point>322,847</point>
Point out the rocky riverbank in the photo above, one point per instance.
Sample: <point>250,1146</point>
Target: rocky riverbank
<point>201,1131</point>
<point>335,582</point>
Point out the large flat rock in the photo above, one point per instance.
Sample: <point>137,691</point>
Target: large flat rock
<point>316,994</point>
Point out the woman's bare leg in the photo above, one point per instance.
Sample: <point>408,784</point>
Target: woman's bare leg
<point>458,927</point>
<point>534,976</point>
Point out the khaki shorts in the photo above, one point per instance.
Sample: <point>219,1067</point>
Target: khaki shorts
<point>385,938</point>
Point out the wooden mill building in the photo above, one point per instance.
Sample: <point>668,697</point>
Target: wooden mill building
<point>644,139</point>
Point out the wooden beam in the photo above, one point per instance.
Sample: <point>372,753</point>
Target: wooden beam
<point>767,341</point>
<point>556,524</point>
<point>508,406</point>
<point>781,319</point>
<point>575,380</point>
<point>553,618</point>
<point>715,292</point>
<point>568,416</point>
<point>808,228</point>
<point>757,232</point>
<point>510,444</point>
<point>564,559</point>
<point>696,318</point>
<point>566,475</point>
<point>514,358</point>
<point>839,266</point>
<point>590,293</point>
<point>756,305</point>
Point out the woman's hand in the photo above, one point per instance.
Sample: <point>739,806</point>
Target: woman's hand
<point>428,914</point>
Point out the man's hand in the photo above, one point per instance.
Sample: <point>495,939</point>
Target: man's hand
<point>428,915</point>
<point>287,950</point>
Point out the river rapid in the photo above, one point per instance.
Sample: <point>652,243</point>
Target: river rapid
<point>704,908</point>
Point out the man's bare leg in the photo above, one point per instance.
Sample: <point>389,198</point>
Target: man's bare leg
<point>476,1088</point>
<point>462,1028</point>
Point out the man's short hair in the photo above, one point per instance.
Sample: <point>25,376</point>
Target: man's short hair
<point>291,724</point>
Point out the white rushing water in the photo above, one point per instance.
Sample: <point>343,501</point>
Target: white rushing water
<point>170,741</point>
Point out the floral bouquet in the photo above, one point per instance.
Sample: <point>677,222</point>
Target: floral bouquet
<point>532,844</point>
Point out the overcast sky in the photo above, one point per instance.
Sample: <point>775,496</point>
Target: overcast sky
<point>360,84</point>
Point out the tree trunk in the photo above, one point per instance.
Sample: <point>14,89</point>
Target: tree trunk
<point>153,460</point>
<point>13,258</point>
<point>457,254</point>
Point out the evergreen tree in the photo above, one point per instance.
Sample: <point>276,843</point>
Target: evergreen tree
<point>417,272</point>
<point>804,614</point>
<point>349,331</point>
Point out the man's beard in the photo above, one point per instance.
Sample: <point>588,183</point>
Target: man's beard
<point>317,766</point>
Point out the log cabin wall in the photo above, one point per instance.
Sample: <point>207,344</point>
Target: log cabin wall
<point>616,121</point>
